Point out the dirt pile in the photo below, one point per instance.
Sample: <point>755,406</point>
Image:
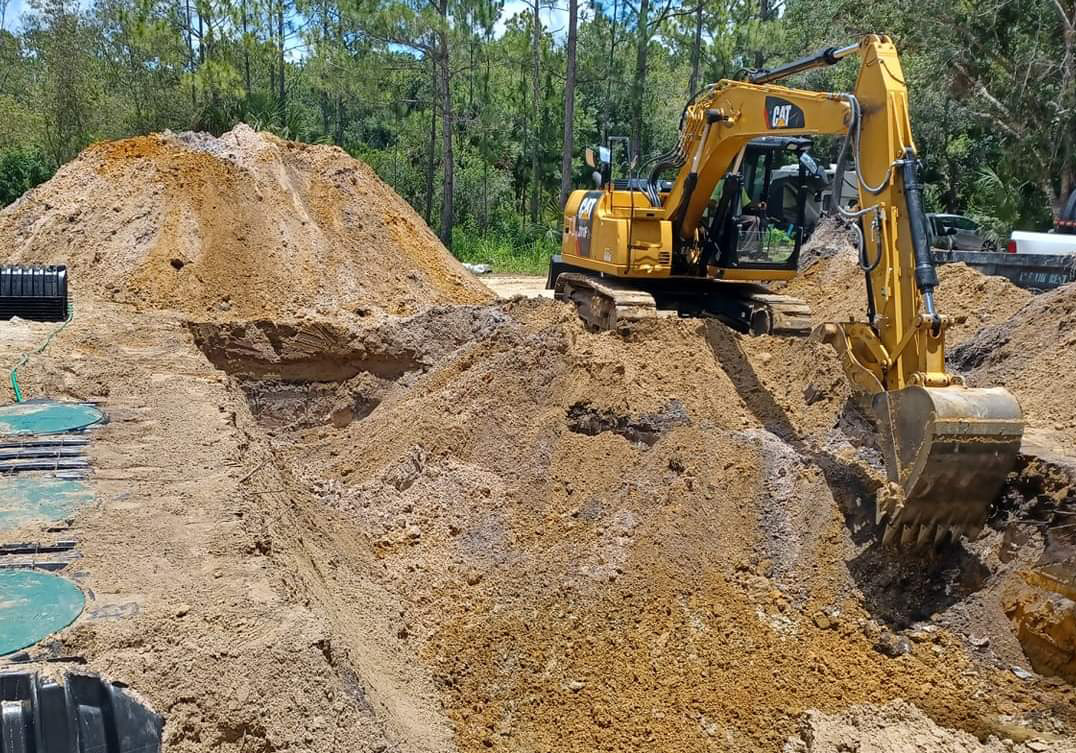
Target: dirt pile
<point>242,226</point>
<point>832,283</point>
<point>588,541</point>
<point>897,728</point>
<point>1032,353</point>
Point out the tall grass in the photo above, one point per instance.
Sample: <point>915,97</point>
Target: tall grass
<point>509,250</point>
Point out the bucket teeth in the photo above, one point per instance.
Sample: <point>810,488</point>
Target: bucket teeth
<point>926,537</point>
<point>948,451</point>
<point>941,535</point>
<point>909,536</point>
<point>892,531</point>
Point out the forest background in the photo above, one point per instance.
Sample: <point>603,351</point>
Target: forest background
<point>477,111</point>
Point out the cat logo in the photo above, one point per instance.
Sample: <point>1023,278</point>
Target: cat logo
<point>586,207</point>
<point>582,225</point>
<point>781,113</point>
<point>779,116</point>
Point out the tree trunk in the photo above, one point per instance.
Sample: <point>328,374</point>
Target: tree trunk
<point>569,105</point>
<point>485,144</point>
<point>638,84</point>
<point>610,68</point>
<point>696,51</point>
<point>341,106</point>
<point>1068,83</point>
<point>323,92</point>
<point>432,150</point>
<point>763,15</point>
<point>448,185</point>
<point>272,43</point>
<point>323,105</point>
<point>190,54</point>
<point>208,45</point>
<point>246,54</point>
<point>536,115</point>
<point>281,84</point>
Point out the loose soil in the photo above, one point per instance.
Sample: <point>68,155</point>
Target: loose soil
<point>893,728</point>
<point>478,526</point>
<point>240,226</point>
<point>1032,353</point>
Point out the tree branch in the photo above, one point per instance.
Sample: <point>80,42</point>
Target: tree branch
<point>1069,22</point>
<point>1007,122</point>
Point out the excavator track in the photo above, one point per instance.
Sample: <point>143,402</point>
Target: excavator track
<point>774,314</point>
<point>606,304</point>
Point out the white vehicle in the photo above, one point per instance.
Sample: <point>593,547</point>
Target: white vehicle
<point>1057,244</point>
<point>1061,241</point>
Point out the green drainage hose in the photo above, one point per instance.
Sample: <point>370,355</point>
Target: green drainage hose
<point>26,356</point>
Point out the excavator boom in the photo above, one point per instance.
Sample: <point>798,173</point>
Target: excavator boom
<point>633,249</point>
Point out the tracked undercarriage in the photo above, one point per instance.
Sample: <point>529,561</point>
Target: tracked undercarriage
<point>606,304</point>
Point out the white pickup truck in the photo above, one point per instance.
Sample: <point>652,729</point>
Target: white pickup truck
<point>1061,241</point>
<point>1038,261</point>
<point>1055,244</point>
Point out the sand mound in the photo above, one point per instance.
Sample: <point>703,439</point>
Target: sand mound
<point>832,283</point>
<point>595,541</point>
<point>245,225</point>
<point>897,728</point>
<point>1033,354</point>
<point>983,299</point>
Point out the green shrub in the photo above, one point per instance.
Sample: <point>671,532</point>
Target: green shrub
<point>510,247</point>
<point>21,170</point>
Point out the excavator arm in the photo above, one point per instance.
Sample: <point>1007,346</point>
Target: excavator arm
<point>948,447</point>
<point>628,252</point>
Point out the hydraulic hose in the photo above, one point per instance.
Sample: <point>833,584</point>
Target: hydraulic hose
<point>16,391</point>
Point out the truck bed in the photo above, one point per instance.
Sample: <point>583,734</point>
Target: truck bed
<point>1034,271</point>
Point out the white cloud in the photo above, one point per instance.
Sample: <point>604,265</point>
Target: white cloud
<point>554,19</point>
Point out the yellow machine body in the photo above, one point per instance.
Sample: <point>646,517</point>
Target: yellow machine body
<point>948,448</point>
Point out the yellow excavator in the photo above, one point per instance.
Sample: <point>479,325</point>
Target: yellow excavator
<point>701,245</point>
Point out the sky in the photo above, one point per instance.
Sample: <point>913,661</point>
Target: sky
<point>554,19</point>
<point>14,10</point>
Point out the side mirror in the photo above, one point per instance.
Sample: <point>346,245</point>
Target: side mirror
<point>588,157</point>
<point>950,230</point>
<point>811,167</point>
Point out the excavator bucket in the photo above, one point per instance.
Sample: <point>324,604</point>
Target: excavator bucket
<point>948,451</point>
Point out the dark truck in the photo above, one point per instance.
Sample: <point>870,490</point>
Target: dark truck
<point>955,232</point>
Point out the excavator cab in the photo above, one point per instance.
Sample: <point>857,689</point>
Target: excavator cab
<point>761,214</point>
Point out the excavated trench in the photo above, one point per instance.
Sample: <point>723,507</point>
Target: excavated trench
<point>561,463</point>
<point>297,376</point>
<point>306,374</point>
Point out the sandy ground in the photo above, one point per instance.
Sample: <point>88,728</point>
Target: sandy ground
<point>427,522</point>
<point>390,582</point>
<point>508,286</point>
<point>185,605</point>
